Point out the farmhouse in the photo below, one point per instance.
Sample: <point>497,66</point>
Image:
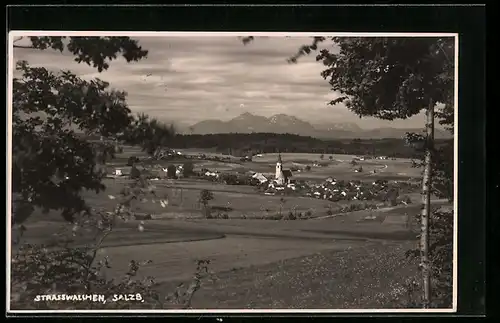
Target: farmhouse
<point>283,176</point>
<point>260,177</point>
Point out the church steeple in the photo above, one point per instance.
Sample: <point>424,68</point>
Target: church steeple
<point>280,177</point>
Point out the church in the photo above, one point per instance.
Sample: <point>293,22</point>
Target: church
<point>283,176</point>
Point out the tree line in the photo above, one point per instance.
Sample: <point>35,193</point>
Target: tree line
<point>240,144</point>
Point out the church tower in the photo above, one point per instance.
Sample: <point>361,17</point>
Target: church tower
<point>280,177</point>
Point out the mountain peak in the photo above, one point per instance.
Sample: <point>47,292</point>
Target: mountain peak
<point>284,116</point>
<point>283,123</point>
<point>246,114</point>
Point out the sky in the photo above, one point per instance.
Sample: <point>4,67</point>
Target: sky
<point>188,79</point>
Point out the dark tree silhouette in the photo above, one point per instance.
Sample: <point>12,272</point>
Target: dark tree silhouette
<point>394,78</point>
<point>171,171</point>
<point>93,51</point>
<point>187,169</point>
<point>149,133</point>
<point>51,162</point>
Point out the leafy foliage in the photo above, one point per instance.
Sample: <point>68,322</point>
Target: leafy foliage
<point>440,257</point>
<point>149,133</point>
<point>48,110</point>
<point>394,78</point>
<point>45,107</point>
<point>132,160</point>
<point>188,169</point>
<point>388,77</point>
<point>135,172</point>
<point>171,171</point>
<point>93,51</point>
<point>442,164</point>
<point>65,267</point>
<point>205,197</point>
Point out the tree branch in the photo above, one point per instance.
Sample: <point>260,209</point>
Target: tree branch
<point>21,46</point>
<point>444,52</point>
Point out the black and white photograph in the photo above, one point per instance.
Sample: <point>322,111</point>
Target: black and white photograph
<point>234,172</point>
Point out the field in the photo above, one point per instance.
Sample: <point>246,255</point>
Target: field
<point>324,262</point>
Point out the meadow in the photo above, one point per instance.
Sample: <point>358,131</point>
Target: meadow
<point>249,252</point>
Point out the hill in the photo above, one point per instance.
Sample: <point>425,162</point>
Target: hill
<point>283,123</point>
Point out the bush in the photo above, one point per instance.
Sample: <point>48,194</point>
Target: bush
<point>63,268</point>
<point>406,199</point>
<point>143,216</point>
<point>391,196</point>
<point>274,217</point>
<point>187,169</point>
<point>291,216</point>
<point>440,257</point>
<point>207,212</point>
<point>171,171</point>
<point>135,173</point>
<point>222,208</point>
<point>70,271</point>
<point>132,160</point>
<point>205,197</point>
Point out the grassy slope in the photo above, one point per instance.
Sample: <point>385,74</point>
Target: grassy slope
<point>364,277</point>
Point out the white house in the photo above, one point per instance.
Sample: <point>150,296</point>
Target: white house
<point>260,177</point>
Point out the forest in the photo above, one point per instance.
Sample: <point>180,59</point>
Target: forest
<point>239,144</point>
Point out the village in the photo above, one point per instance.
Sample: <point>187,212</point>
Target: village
<point>360,193</point>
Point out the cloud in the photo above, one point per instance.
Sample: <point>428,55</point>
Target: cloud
<point>189,79</point>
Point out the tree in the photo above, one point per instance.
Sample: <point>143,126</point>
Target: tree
<point>282,205</point>
<point>187,169</point>
<point>171,171</point>
<point>54,117</point>
<point>135,173</point>
<point>48,107</point>
<point>149,133</point>
<point>393,78</point>
<point>330,157</point>
<point>132,160</point>
<point>94,51</point>
<point>205,197</point>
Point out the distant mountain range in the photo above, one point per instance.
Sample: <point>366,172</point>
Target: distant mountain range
<point>282,123</point>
